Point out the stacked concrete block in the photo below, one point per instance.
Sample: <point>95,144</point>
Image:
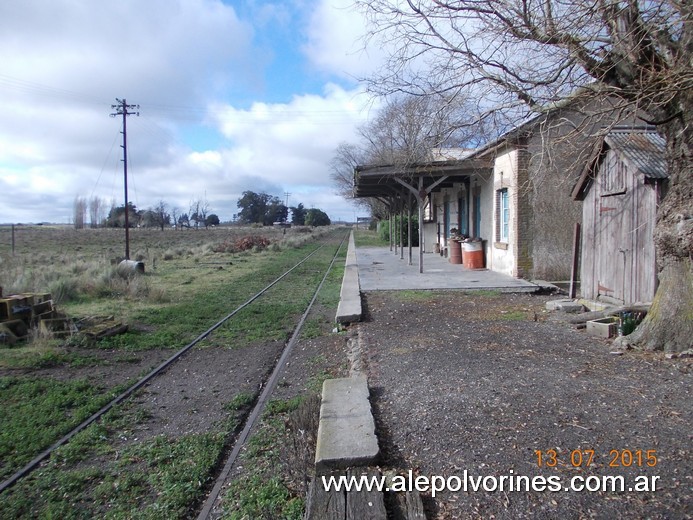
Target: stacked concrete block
<point>19,312</point>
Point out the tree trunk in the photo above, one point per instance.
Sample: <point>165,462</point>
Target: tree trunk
<point>669,324</point>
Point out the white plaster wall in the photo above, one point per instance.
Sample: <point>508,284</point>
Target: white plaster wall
<point>486,209</point>
<point>430,230</point>
<point>452,195</point>
<point>504,176</point>
<point>487,201</point>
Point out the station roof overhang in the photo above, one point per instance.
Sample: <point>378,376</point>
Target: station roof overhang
<point>391,180</point>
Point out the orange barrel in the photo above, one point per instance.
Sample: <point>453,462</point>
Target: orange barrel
<point>455,256</point>
<point>473,255</point>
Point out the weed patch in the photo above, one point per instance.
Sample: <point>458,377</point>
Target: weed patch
<point>241,401</point>
<point>513,315</point>
<point>283,445</point>
<point>484,293</point>
<point>260,497</point>
<point>413,296</point>
<point>97,476</point>
<point>35,412</point>
<point>367,238</point>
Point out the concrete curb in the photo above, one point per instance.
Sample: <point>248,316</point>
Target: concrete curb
<point>349,309</point>
<point>346,432</point>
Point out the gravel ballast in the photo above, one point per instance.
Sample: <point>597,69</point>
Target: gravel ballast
<point>482,382</point>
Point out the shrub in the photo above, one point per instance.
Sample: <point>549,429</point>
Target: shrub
<point>63,289</point>
<point>224,247</point>
<point>252,242</point>
<point>246,243</point>
<point>158,295</point>
<point>385,230</point>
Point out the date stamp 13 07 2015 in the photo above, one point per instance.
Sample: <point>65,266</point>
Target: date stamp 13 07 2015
<point>584,458</point>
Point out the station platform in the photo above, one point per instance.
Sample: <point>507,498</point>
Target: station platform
<point>380,269</point>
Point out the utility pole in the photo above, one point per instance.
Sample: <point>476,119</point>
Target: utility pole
<point>121,109</point>
<point>287,194</point>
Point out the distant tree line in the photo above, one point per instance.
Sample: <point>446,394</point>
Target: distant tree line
<point>255,208</point>
<point>158,216</point>
<point>265,209</point>
<point>94,206</point>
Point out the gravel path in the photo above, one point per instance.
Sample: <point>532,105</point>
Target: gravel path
<point>481,382</point>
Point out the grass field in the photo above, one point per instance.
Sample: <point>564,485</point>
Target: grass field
<point>192,279</point>
<point>78,267</point>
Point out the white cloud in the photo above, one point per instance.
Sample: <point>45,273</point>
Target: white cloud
<point>335,41</point>
<point>293,140</point>
<point>65,62</point>
<point>270,14</point>
<point>284,147</point>
<point>156,50</point>
<point>272,148</point>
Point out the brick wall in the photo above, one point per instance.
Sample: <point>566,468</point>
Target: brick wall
<point>524,217</point>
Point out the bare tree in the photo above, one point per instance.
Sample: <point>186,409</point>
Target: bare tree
<point>194,212</point>
<point>406,130</point>
<point>347,157</point>
<point>96,211</point>
<point>342,165</point>
<point>161,215</point>
<point>175,215</point>
<point>203,212</point>
<point>519,56</point>
<point>199,209</point>
<point>409,128</point>
<point>80,212</point>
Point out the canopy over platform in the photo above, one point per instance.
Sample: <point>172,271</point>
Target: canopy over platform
<point>390,180</point>
<point>402,187</point>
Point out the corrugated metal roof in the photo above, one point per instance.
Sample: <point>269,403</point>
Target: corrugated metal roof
<point>448,154</point>
<point>644,149</point>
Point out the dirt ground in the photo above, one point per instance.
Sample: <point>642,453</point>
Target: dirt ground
<point>466,382</point>
<point>479,383</point>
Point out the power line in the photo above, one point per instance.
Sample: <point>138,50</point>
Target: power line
<point>46,90</point>
<point>271,114</point>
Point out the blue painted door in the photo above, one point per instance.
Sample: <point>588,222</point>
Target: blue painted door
<point>446,216</point>
<point>463,216</point>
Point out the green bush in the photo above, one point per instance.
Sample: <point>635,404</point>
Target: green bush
<point>63,289</point>
<point>385,230</point>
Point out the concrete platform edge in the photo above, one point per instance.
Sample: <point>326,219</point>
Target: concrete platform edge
<point>346,432</point>
<point>349,309</point>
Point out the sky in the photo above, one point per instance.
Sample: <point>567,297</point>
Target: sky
<point>233,96</point>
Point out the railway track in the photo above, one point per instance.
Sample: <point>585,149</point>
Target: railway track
<point>183,358</point>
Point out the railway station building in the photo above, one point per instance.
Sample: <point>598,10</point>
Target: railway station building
<point>513,194</point>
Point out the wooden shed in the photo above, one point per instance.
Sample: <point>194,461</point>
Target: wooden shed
<point>621,188</point>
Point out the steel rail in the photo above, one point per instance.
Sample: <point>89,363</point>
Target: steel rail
<point>34,463</point>
<point>208,507</point>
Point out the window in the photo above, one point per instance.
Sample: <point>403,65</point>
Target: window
<point>612,175</point>
<point>462,216</point>
<point>476,215</point>
<point>502,215</point>
<point>446,219</point>
<point>429,210</point>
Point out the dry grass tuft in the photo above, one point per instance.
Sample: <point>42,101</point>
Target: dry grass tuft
<point>298,452</point>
